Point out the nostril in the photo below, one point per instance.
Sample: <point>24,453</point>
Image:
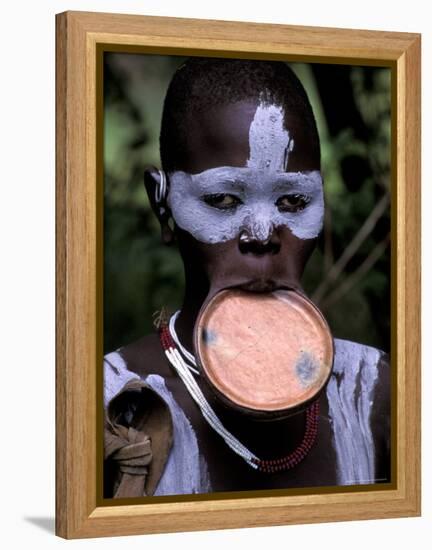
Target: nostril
<point>248,245</point>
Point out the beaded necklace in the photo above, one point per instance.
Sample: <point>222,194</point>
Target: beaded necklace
<point>172,348</point>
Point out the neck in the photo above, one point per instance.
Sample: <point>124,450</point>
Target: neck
<point>196,291</point>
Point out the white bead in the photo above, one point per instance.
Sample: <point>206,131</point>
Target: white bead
<point>184,371</point>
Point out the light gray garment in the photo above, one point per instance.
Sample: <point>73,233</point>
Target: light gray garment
<point>186,470</point>
<point>116,375</point>
<point>350,394</point>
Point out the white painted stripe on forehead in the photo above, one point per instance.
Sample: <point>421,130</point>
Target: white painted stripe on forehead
<point>269,142</point>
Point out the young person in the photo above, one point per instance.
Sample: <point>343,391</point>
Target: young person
<point>240,191</point>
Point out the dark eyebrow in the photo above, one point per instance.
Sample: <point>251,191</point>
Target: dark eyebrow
<point>283,185</point>
<point>238,184</point>
<point>226,184</point>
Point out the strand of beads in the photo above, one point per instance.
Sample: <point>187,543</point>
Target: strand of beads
<point>170,343</point>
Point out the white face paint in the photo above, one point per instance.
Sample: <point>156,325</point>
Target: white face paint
<point>269,142</point>
<point>217,204</point>
<point>257,195</point>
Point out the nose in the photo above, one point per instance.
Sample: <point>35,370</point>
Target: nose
<point>249,244</point>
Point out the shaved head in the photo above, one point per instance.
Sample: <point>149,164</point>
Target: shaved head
<point>201,84</point>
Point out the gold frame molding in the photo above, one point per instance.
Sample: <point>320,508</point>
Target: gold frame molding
<point>80,39</point>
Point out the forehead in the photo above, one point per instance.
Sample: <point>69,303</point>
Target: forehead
<point>228,135</point>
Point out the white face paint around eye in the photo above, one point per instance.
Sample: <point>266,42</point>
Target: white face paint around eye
<point>255,191</point>
<point>255,194</point>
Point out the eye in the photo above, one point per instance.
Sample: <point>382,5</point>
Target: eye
<point>292,203</point>
<point>223,201</point>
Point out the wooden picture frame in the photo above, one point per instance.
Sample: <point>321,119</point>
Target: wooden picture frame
<point>81,37</point>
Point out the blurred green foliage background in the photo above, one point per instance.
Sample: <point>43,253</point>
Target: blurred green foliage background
<point>348,275</point>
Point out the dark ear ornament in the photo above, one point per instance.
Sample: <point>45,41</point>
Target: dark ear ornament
<point>161,191</point>
<point>156,183</point>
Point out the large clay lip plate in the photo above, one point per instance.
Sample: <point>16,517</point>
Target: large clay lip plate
<point>247,352</point>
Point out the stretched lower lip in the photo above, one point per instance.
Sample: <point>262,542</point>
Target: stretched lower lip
<point>259,286</point>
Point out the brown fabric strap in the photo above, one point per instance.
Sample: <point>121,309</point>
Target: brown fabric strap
<point>130,486</point>
<point>138,438</point>
<point>131,451</point>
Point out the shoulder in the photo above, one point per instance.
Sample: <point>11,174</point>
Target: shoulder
<point>134,361</point>
<point>360,363</point>
<point>115,375</point>
<point>348,352</point>
<point>361,369</point>
<point>142,357</point>
<point>359,398</point>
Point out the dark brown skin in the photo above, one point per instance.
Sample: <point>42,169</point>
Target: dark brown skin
<point>220,137</point>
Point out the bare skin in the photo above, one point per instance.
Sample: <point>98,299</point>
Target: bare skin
<point>219,137</point>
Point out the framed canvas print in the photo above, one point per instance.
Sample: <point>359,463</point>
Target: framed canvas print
<point>238,274</point>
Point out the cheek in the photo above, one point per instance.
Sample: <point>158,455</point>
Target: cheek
<point>308,247</point>
<point>207,225</point>
<point>295,250</point>
<point>307,223</point>
<point>198,255</point>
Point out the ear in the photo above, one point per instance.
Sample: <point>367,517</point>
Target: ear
<point>152,179</point>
